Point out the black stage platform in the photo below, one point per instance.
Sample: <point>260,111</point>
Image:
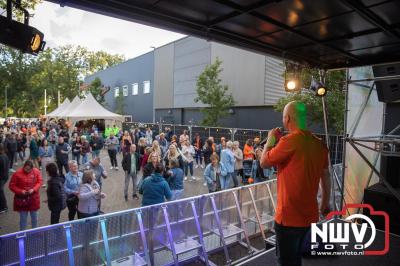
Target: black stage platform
<point>392,258</point>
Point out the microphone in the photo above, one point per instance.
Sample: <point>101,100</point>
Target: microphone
<point>277,136</point>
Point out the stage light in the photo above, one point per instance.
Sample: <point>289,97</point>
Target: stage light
<point>319,88</point>
<point>21,36</point>
<point>291,85</point>
<point>292,82</point>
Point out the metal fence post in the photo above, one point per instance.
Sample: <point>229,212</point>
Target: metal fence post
<point>105,241</point>
<point>21,248</point>
<point>68,236</point>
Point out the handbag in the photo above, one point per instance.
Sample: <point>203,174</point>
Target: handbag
<point>23,201</point>
<point>72,199</point>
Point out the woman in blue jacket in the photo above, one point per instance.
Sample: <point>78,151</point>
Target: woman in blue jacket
<point>214,172</point>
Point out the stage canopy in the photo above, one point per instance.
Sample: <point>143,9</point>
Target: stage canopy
<point>326,34</point>
<point>59,109</point>
<point>91,109</point>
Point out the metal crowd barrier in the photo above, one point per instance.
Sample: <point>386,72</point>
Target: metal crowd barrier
<point>172,233</point>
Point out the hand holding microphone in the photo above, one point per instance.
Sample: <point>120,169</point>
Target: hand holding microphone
<point>273,137</point>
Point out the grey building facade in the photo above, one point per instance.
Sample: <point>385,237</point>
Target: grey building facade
<point>255,81</point>
<point>133,79</point>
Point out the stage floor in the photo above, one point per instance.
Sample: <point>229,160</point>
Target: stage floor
<point>392,258</point>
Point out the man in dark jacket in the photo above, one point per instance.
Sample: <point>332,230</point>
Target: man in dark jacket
<point>11,147</point>
<point>96,143</point>
<point>131,166</point>
<point>3,178</point>
<point>62,150</point>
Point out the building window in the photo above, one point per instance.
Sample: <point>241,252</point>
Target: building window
<point>125,90</point>
<point>146,86</point>
<point>135,89</point>
<point>116,92</point>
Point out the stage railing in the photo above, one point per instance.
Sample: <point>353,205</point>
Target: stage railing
<point>172,233</point>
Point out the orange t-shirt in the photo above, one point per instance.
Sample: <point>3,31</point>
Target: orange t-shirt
<point>248,152</point>
<point>301,159</point>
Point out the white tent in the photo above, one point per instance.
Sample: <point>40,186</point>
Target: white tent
<point>91,109</point>
<point>70,108</point>
<point>60,108</point>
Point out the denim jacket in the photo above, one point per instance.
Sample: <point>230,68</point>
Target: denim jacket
<point>210,176</point>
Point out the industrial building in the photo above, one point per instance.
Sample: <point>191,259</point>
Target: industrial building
<point>160,86</point>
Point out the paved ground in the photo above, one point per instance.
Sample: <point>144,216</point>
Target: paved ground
<point>112,186</point>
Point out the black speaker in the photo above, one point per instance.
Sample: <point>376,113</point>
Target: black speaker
<point>388,90</point>
<point>390,170</point>
<point>386,70</point>
<point>380,198</point>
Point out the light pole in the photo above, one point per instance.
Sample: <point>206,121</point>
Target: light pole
<point>80,77</point>
<point>6,107</point>
<point>45,102</point>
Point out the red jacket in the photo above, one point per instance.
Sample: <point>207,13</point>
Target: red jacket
<point>24,181</point>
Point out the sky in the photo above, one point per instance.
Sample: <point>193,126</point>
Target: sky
<point>66,25</point>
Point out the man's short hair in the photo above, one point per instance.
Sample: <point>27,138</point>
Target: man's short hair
<point>229,144</point>
<point>72,162</point>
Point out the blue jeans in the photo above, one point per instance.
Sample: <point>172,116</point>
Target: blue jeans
<point>23,219</point>
<point>76,157</point>
<point>190,166</point>
<point>177,194</point>
<point>85,158</point>
<point>95,153</point>
<point>225,181</point>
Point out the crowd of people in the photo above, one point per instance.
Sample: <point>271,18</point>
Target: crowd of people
<point>158,166</point>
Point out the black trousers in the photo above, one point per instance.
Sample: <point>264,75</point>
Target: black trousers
<point>3,201</point>
<point>289,243</point>
<point>62,165</point>
<point>11,156</point>
<point>72,205</point>
<point>113,157</point>
<point>55,217</point>
<point>82,215</point>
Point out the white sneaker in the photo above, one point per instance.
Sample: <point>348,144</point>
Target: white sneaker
<point>116,168</point>
<point>111,168</point>
<point>202,167</point>
<point>194,178</point>
<point>185,178</point>
<point>196,166</point>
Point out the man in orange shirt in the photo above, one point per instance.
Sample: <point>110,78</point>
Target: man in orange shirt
<point>302,163</point>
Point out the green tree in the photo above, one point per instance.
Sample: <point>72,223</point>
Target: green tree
<point>211,92</point>
<point>120,103</point>
<point>96,89</point>
<point>18,14</point>
<point>55,69</point>
<point>335,98</point>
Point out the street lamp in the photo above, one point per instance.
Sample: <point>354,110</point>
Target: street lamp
<point>80,77</point>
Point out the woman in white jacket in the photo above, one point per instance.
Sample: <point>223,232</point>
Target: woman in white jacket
<point>188,153</point>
